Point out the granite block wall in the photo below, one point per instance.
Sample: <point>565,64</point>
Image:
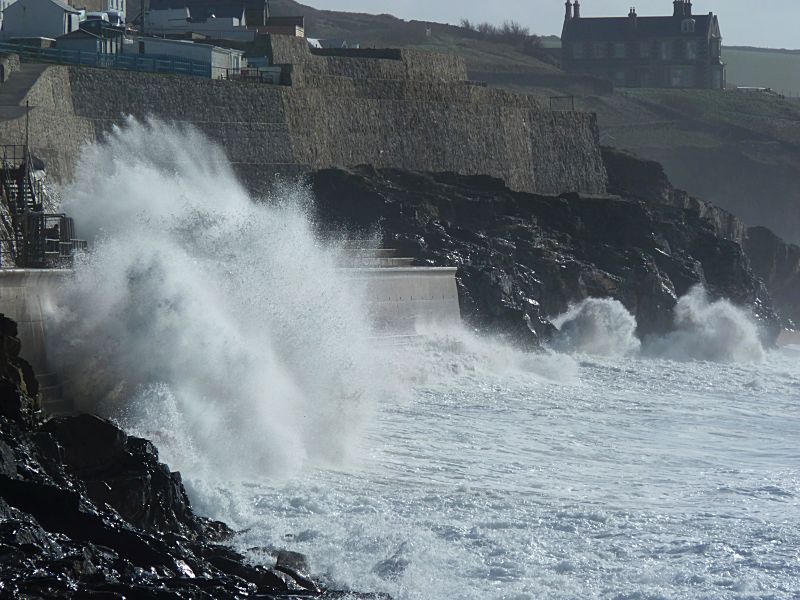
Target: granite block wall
<point>415,112</point>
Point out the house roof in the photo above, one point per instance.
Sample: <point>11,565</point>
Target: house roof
<point>617,28</point>
<point>78,34</point>
<point>202,9</point>
<point>84,34</point>
<point>64,6</point>
<point>286,21</point>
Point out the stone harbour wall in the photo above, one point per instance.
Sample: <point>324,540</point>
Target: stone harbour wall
<point>414,110</point>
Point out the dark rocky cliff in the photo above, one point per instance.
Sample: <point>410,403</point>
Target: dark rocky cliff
<point>525,257</point>
<point>778,264</point>
<point>88,511</point>
<point>774,261</point>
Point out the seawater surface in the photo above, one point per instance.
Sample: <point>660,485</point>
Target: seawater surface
<point>224,329</point>
<point>622,478</point>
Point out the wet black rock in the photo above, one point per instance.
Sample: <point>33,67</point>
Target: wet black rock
<point>88,511</point>
<point>778,264</point>
<point>524,258</point>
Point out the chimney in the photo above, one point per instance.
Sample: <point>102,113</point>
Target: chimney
<point>568,15</point>
<point>678,4</point>
<point>577,9</point>
<point>632,14</point>
<point>687,11</point>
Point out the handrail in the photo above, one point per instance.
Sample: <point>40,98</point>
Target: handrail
<point>148,63</point>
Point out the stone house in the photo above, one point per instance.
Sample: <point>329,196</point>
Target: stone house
<point>39,19</point>
<point>679,51</point>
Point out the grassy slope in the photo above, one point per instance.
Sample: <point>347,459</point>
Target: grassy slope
<point>776,69</point>
<point>382,31</point>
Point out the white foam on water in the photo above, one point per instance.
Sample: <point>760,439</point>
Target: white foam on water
<point>716,331</point>
<point>222,328</point>
<point>599,326</point>
<point>218,325</point>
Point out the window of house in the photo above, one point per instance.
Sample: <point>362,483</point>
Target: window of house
<point>577,50</point>
<point>619,50</point>
<point>620,78</point>
<point>644,49</point>
<point>599,50</point>
<point>688,25</point>
<point>691,50</point>
<point>666,50</point>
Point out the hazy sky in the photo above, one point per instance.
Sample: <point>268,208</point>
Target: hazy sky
<point>772,23</point>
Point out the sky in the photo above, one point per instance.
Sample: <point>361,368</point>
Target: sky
<point>772,24</point>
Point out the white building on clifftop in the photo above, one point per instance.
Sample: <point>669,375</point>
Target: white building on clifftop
<point>39,19</point>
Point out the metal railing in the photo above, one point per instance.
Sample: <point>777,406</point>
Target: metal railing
<point>251,76</point>
<point>39,239</point>
<point>125,62</point>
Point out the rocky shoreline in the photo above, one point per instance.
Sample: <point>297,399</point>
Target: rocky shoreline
<point>87,511</point>
<point>524,258</point>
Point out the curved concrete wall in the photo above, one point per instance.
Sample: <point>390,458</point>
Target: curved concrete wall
<point>404,299</point>
<point>400,300</point>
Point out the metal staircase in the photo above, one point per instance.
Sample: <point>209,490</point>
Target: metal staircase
<point>40,239</point>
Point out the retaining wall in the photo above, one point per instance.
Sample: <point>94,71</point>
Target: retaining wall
<point>414,110</point>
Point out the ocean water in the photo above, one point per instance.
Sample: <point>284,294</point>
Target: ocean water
<point>452,466</point>
<point>630,478</point>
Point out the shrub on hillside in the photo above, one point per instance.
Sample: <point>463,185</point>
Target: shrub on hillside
<point>510,32</point>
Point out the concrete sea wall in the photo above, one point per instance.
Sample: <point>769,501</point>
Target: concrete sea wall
<point>403,299</point>
<point>399,299</point>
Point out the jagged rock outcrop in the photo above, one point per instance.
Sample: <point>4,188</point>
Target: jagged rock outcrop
<point>633,177</point>
<point>523,258</point>
<point>88,511</point>
<point>778,264</point>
